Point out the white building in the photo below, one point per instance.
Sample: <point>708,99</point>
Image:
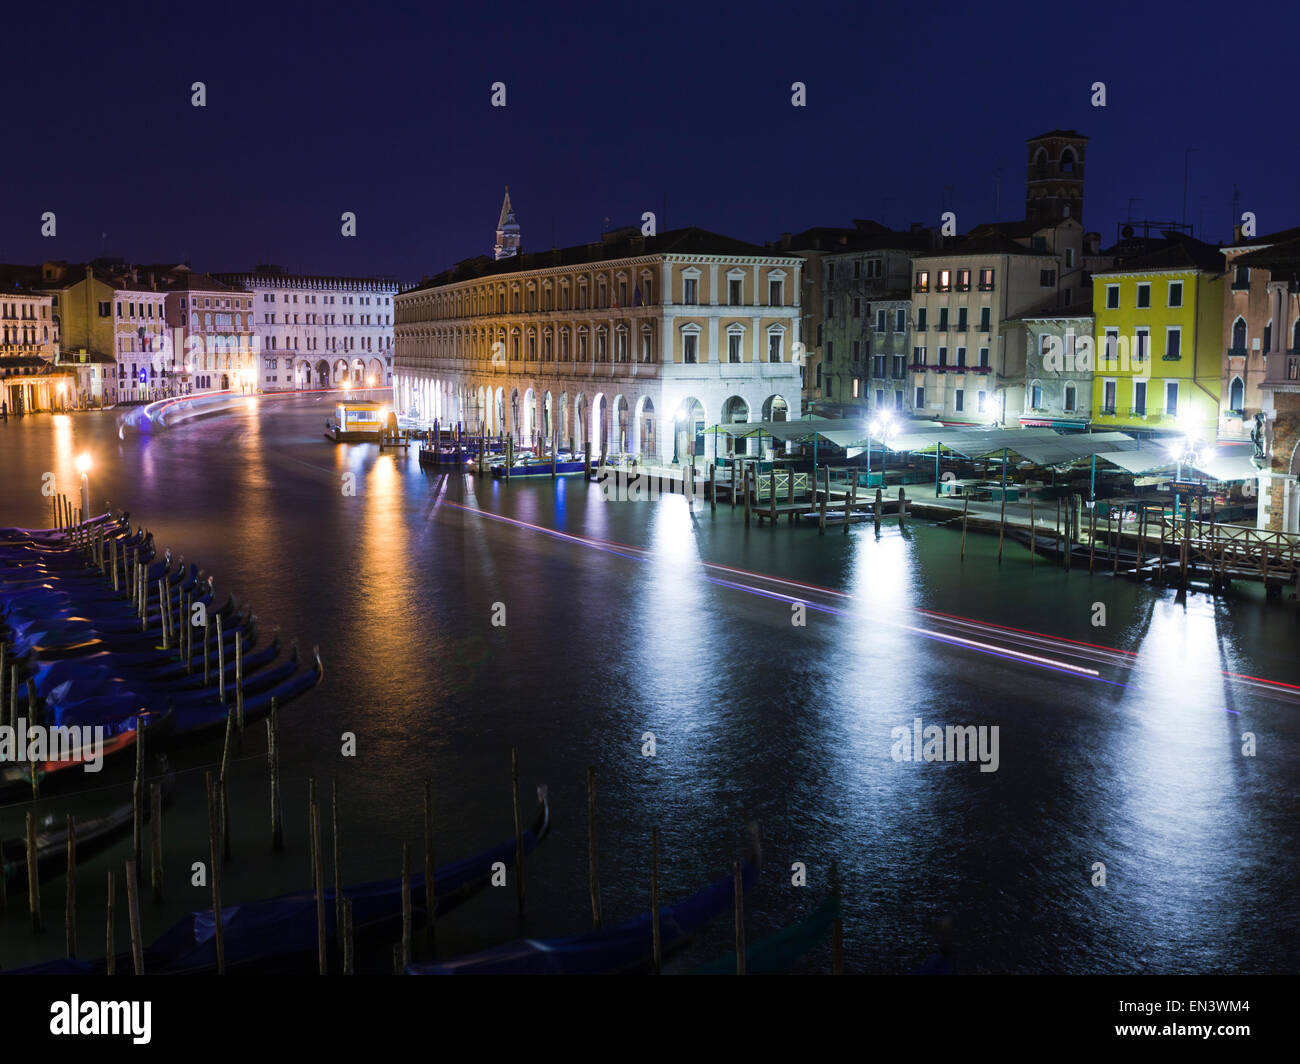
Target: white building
<point>318,332</point>
<point>636,344</point>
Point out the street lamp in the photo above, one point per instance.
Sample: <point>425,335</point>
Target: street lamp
<point>1186,451</point>
<point>83,467</point>
<point>681,418</point>
<point>883,428</point>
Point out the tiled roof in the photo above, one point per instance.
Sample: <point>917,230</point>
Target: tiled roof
<point>985,244</point>
<point>1280,259</point>
<point>689,241</point>
<point>1178,253</point>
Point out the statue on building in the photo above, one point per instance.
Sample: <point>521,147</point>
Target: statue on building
<point>1258,436</point>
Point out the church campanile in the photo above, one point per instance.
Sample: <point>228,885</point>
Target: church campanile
<point>507,245</point>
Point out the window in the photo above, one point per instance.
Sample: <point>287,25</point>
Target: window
<point>945,281</point>
<point>735,287</point>
<point>1069,258</point>
<point>773,293</point>
<point>923,280</point>
<point>898,400</point>
<point>918,356</point>
<point>961,358</point>
<point>1046,278</point>
<point>1241,277</point>
<point>986,279</point>
<point>774,347</point>
<point>900,321</point>
<point>880,320</point>
<point>106,309</point>
<point>879,364</point>
<point>857,308</point>
<point>857,269</point>
<point>1108,397</point>
<point>830,276</point>
<point>984,358</point>
<point>856,382</point>
<point>920,319</point>
<point>1141,344</point>
<point>1175,293</point>
<point>1171,398</point>
<point>899,367</point>
<point>943,356</point>
<point>857,350</point>
<point>1112,297</point>
<point>1144,296</point>
<point>1173,343</point>
<point>1140,398</point>
<point>1237,396</point>
<point>959,400</point>
<point>963,280</point>
<point>943,319</point>
<point>1036,396</point>
<point>1111,349</point>
<point>961,319</point>
<point>880,398</point>
<point>920,398</point>
<point>1071,398</point>
<point>690,290</point>
<point>986,314</point>
<point>734,341</point>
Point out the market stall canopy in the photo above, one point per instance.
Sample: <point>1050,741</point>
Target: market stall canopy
<point>969,443</point>
<point>1064,450</point>
<point>1143,458</point>
<point>1235,466</point>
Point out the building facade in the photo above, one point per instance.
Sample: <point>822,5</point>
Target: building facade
<point>319,331</point>
<point>212,337</point>
<point>112,315</point>
<point>1277,270</point>
<point>968,355</point>
<point>1059,357</point>
<point>635,344</point>
<point>1159,329</point>
<point>1247,335</point>
<point>868,319</point>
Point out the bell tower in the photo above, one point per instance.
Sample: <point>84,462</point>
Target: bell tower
<point>1054,185</point>
<point>507,245</point>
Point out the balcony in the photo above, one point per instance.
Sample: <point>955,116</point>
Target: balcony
<point>986,287</point>
<point>1107,411</point>
<point>921,288</point>
<point>918,367</point>
<point>1236,352</point>
<point>1241,286</point>
<point>985,327</point>
<point>1137,411</point>
<point>982,369</point>
<point>1171,358</point>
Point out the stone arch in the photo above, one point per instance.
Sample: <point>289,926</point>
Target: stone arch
<point>528,417</point>
<point>643,427</point>
<point>619,424</point>
<point>689,422</point>
<point>1237,395</point>
<point>1239,333</point>
<point>775,408</point>
<point>735,410</point>
<point>580,436</point>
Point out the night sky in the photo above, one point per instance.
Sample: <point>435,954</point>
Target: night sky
<point>683,109</point>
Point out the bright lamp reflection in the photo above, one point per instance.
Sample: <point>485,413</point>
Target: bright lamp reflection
<point>1183,754</point>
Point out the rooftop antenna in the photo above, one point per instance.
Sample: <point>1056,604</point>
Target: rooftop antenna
<point>1132,200</point>
<point>997,193</point>
<point>1236,208</point>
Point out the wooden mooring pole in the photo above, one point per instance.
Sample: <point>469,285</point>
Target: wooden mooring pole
<point>593,877</point>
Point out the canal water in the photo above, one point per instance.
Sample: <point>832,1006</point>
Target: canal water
<point>645,617</point>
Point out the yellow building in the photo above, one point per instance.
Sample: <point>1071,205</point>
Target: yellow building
<point>1158,341</point>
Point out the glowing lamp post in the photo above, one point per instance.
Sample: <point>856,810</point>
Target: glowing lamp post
<point>883,428</point>
<point>83,467</point>
<point>1186,451</point>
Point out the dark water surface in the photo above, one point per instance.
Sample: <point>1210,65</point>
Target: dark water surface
<point>754,718</point>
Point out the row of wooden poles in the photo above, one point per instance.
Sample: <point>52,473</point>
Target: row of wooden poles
<point>1067,532</point>
<point>219,853</point>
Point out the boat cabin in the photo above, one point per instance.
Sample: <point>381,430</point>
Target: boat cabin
<point>356,421</point>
